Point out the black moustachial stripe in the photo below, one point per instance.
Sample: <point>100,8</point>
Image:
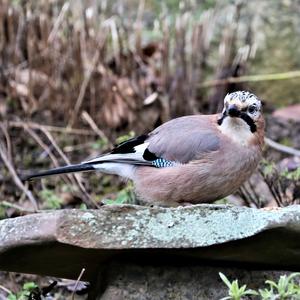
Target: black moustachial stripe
<point>244,117</point>
<point>220,121</point>
<point>128,146</point>
<point>249,121</point>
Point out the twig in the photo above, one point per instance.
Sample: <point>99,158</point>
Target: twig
<point>68,178</point>
<point>251,78</point>
<point>75,176</point>
<point>7,138</point>
<point>282,148</point>
<point>16,178</point>
<point>270,187</point>
<point>86,81</point>
<point>76,284</point>
<point>83,88</point>
<point>95,128</point>
<point>18,207</point>
<point>55,145</point>
<point>42,145</point>
<point>20,124</point>
<point>58,22</point>
<point>5,289</point>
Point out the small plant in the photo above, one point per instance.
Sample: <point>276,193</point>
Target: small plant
<point>100,144</point>
<point>284,186</point>
<point>285,289</point>
<point>52,201</point>
<point>126,195</point>
<point>83,206</point>
<point>2,211</point>
<point>234,291</point>
<point>31,291</point>
<point>292,175</point>
<point>125,137</point>
<point>24,294</point>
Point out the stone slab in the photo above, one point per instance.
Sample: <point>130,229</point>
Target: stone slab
<point>61,243</point>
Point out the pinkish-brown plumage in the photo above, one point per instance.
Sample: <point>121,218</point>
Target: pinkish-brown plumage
<point>192,159</point>
<point>208,177</point>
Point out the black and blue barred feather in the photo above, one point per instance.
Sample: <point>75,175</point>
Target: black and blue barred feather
<point>162,163</point>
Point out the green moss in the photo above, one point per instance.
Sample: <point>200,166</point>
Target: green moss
<point>286,141</point>
<point>52,201</point>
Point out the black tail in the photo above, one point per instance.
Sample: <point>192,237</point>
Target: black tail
<point>61,170</point>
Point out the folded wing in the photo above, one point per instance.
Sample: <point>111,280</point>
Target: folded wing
<point>178,141</point>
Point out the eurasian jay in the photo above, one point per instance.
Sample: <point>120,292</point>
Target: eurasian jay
<point>192,159</point>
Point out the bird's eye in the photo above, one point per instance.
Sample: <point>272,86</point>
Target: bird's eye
<point>252,109</point>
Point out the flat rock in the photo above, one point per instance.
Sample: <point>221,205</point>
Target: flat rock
<point>61,243</point>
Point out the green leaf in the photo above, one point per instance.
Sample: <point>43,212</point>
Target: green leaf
<point>235,288</point>
<point>272,284</point>
<point>51,199</point>
<point>225,280</point>
<point>124,138</point>
<point>250,292</point>
<point>266,294</point>
<point>293,275</point>
<point>83,206</point>
<point>242,289</point>
<point>99,144</point>
<point>29,286</point>
<point>123,197</point>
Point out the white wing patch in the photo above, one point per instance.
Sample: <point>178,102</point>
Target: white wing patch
<point>123,170</point>
<point>137,155</point>
<point>117,163</point>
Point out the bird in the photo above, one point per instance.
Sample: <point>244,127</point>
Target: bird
<point>190,159</point>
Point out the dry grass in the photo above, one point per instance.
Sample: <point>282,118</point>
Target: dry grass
<point>73,74</point>
<point>59,59</point>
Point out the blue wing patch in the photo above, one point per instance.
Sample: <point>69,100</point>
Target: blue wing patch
<point>163,163</point>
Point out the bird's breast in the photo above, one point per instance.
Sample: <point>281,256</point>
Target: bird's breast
<point>206,179</point>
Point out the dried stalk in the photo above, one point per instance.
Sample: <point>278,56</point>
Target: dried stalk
<point>65,130</point>
<point>76,284</point>
<point>251,78</point>
<point>95,128</point>
<point>86,196</point>
<point>5,289</point>
<point>58,22</point>
<point>86,81</point>
<point>7,140</point>
<point>282,148</point>
<point>16,178</point>
<point>18,207</point>
<point>42,145</point>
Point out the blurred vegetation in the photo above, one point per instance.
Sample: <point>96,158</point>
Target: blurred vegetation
<point>110,68</point>
<point>78,77</point>
<point>24,294</point>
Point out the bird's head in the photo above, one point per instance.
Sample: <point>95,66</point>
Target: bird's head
<point>242,105</point>
<point>241,118</point>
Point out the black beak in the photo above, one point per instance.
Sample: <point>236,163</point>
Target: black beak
<point>233,111</point>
